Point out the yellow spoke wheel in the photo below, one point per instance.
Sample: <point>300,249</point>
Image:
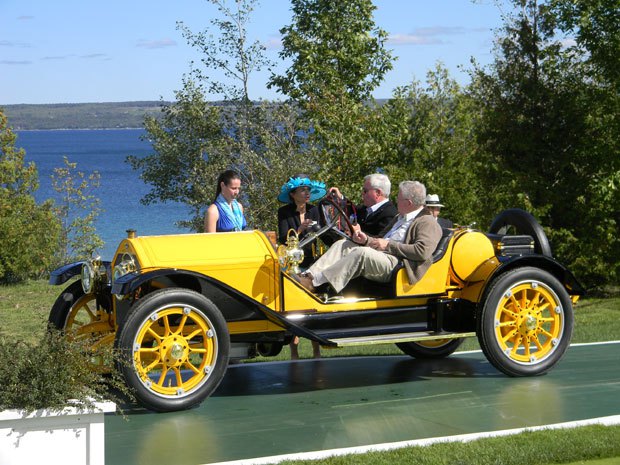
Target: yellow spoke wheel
<point>175,344</point>
<point>174,350</point>
<point>527,322</point>
<point>80,317</point>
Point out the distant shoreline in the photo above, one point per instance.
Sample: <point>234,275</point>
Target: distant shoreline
<point>79,129</point>
<point>87,116</point>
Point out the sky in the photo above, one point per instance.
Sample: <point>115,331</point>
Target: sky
<point>76,51</point>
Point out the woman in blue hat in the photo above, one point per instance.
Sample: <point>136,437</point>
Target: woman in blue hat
<point>302,216</point>
<point>298,213</point>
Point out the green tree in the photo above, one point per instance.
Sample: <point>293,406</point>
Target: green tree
<point>594,25</point>
<point>338,59</point>
<point>29,232</point>
<point>195,140</point>
<point>335,47</point>
<point>438,147</point>
<point>534,130</point>
<point>77,211</point>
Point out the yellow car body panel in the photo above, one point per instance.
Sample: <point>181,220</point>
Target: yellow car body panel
<point>245,261</point>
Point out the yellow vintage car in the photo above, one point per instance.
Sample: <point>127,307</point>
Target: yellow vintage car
<point>180,307</point>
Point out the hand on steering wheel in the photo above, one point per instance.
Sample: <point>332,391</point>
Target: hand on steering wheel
<point>335,219</point>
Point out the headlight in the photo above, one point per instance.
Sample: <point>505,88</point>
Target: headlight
<point>92,275</point>
<point>88,277</point>
<point>126,265</point>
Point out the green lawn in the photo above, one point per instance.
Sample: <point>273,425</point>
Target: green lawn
<point>587,445</point>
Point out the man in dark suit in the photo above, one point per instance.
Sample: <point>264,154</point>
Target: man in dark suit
<point>433,204</point>
<point>376,211</point>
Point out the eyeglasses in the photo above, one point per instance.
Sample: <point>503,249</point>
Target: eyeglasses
<point>365,191</point>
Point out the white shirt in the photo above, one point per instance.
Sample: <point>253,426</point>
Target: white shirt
<point>398,231</point>
<point>374,208</point>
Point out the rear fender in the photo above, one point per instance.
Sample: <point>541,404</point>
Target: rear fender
<point>549,264</point>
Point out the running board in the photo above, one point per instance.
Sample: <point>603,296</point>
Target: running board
<point>395,338</point>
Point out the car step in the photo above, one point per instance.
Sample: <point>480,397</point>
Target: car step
<point>394,338</point>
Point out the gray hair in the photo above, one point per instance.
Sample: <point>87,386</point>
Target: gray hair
<point>380,182</point>
<point>414,191</point>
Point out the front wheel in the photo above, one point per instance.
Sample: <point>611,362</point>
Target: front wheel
<point>435,348</point>
<point>525,322</point>
<point>175,347</point>
<point>85,317</point>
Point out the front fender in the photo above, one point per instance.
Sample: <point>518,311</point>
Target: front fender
<point>65,273</point>
<point>128,284</point>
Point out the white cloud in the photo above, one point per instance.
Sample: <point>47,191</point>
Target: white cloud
<point>429,35</point>
<point>15,62</point>
<point>273,43</point>
<point>153,44</point>
<point>8,43</point>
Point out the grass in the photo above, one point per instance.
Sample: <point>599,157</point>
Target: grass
<point>24,309</point>
<point>23,316</point>
<point>591,445</point>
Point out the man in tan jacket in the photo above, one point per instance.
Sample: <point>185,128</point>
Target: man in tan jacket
<point>412,237</point>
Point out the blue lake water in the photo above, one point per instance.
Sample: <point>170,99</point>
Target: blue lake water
<point>121,187</point>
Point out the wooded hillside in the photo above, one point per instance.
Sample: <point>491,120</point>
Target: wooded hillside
<point>81,115</point>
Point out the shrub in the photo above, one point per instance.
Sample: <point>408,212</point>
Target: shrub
<point>54,373</point>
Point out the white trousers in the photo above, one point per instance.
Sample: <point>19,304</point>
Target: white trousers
<point>346,260</point>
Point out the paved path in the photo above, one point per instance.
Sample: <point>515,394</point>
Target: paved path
<point>276,408</point>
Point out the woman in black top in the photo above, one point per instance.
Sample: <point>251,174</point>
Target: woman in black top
<point>298,213</point>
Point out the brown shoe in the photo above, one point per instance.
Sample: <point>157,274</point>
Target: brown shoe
<point>305,281</point>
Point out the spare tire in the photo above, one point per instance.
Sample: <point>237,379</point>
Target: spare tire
<point>517,221</point>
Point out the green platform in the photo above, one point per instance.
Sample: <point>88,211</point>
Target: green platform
<point>279,408</point>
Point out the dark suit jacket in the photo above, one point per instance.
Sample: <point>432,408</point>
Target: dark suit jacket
<point>444,222</point>
<point>288,218</point>
<point>377,221</point>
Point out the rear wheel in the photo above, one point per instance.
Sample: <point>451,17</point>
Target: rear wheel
<point>526,322</point>
<point>269,349</point>
<point>435,348</point>
<point>175,347</point>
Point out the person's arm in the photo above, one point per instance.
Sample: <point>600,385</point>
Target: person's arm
<point>211,218</point>
<point>245,223</point>
<point>424,239</point>
<point>283,224</point>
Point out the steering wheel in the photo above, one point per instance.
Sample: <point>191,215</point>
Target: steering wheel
<point>333,214</point>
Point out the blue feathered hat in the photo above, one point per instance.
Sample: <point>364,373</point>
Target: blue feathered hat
<point>317,189</point>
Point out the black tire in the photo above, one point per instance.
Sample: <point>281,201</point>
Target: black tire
<point>525,322</point>
<point>435,348</point>
<point>517,221</point>
<point>269,349</point>
<point>175,349</point>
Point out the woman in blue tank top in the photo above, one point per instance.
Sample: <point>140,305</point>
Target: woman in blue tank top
<point>225,214</point>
